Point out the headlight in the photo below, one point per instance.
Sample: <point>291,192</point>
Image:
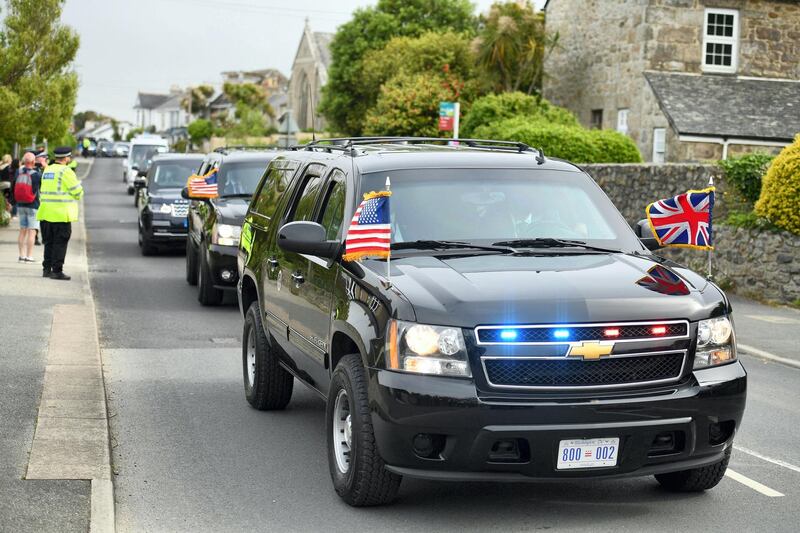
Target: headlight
<point>424,349</point>
<point>715,343</point>
<point>226,235</point>
<point>165,208</point>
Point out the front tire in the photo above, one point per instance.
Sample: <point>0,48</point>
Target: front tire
<point>357,469</point>
<point>696,479</point>
<point>206,293</point>
<point>147,247</point>
<point>267,386</point>
<point>191,262</point>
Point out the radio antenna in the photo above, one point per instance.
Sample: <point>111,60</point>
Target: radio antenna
<point>313,112</point>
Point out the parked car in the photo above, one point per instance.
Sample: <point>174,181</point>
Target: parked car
<point>105,149</point>
<point>163,213</point>
<point>121,148</point>
<point>524,332</point>
<point>215,225</point>
<point>142,150</point>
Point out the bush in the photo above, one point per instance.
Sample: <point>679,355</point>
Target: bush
<point>572,143</point>
<point>5,217</point>
<point>748,220</point>
<point>780,192</point>
<point>494,108</point>
<point>200,130</point>
<point>745,173</point>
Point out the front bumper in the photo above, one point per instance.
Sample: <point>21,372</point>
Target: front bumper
<point>222,259</point>
<point>405,405</point>
<point>164,229</point>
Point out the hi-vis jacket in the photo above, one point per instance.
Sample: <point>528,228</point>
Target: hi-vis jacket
<point>59,194</point>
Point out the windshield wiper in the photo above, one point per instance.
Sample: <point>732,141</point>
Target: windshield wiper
<point>548,242</point>
<point>447,245</point>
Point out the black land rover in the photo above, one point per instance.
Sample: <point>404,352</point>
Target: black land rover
<point>524,331</point>
<point>162,212</point>
<point>215,224</point>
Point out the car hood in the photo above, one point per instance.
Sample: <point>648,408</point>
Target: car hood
<point>232,210</point>
<point>166,195</point>
<point>542,289</point>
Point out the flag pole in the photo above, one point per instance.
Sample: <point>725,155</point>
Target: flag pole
<point>389,257</point>
<point>711,229</point>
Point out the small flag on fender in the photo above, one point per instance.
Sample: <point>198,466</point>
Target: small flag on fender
<point>203,186</point>
<point>370,230</point>
<point>684,220</point>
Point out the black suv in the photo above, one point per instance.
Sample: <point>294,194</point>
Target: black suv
<point>162,212</point>
<point>215,224</point>
<point>524,333</point>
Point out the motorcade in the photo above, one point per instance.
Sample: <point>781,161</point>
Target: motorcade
<point>121,149</point>
<point>105,149</point>
<point>163,213</point>
<point>142,149</point>
<point>215,224</point>
<point>522,330</point>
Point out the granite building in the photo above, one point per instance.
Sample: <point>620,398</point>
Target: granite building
<point>309,75</point>
<point>687,80</point>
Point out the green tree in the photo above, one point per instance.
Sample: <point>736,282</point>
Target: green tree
<point>198,98</point>
<point>345,99</point>
<point>511,47</point>
<point>250,95</point>
<point>37,85</point>
<point>493,108</point>
<point>200,130</point>
<point>80,119</point>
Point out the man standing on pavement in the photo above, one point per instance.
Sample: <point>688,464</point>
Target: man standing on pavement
<point>42,161</point>
<point>26,195</point>
<point>58,208</point>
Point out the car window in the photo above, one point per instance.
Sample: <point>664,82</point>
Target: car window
<point>240,179</point>
<point>142,154</point>
<point>304,208</point>
<point>275,184</point>
<point>171,174</point>
<point>333,210</point>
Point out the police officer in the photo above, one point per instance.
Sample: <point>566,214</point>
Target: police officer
<point>59,197</point>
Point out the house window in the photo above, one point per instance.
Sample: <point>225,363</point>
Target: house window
<point>597,119</point>
<point>659,145</point>
<point>622,121</point>
<point>720,40</point>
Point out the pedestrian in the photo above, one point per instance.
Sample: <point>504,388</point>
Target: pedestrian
<point>58,208</point>
<point>86,144</point>
<point>41,162</point>
<point>8,177</point>
<point>26,195</point>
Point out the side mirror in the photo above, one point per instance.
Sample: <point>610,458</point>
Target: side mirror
<point>186,196</point>
<point>139,183</point>
<point>134,167</point>
<point>642,230</point>
<point>306,238</point>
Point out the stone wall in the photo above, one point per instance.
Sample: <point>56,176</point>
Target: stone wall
<point>760,264</point>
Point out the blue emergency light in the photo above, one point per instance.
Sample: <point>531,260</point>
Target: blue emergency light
<point>561,334</point>
<point>508,334</point>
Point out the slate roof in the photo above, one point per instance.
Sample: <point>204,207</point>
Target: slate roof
<point>150,100</point>
<point>725,106</point>
<point>322,41</point>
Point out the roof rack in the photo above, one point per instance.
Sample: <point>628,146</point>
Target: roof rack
<point>241,147</point>
<point>348,144</point>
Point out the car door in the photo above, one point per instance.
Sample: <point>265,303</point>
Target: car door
<point>309,328</point>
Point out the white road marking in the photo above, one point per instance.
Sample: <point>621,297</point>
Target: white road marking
<point>775,319</point>
<point>755,485</point>
<point>778,462</point>
<point>766,355</point>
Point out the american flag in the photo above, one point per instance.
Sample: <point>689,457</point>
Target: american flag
<point>663,280</point>
<point>204,186</point>
<point>370,230</point>
<point>684,220</point>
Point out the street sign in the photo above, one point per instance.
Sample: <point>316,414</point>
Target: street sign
<point>449,117</point>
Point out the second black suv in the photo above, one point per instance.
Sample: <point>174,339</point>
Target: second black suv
<point>525,332</point>
<point>215,224</point>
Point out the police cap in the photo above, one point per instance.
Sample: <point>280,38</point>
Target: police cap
<point>40,154</point>
<point>62,151</point>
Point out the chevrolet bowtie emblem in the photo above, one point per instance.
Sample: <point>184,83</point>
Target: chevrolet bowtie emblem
<point>590,349</point>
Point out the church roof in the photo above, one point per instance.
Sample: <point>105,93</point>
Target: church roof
<point>322,43</point>
<point>150,100</point>
<point>730,107</point>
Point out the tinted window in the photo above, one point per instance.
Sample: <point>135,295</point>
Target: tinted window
<point>141,154</point>
<point>304,209</point>
<point>171,174</point>
<point>333,212</point>
<point>275,185</point>
<point>240,178</point>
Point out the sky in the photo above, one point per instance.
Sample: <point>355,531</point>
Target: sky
<point>149,45</point>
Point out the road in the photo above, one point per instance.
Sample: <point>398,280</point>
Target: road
<point>190,455</point>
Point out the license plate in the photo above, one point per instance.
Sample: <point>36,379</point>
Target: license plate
<point>587,453</point>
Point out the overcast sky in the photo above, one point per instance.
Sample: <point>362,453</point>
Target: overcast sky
<point>149,45</point>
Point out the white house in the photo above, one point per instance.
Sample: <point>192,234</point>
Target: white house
<point>160,111</point>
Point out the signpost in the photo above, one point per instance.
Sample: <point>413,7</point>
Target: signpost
<point>449,117</point>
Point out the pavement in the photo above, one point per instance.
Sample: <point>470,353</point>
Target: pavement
<point>189,454</point>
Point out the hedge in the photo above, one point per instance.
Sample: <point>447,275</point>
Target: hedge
<point>780,191</point>
<point>495,108</point>
<point>745,174</point>
<point>572,143</point>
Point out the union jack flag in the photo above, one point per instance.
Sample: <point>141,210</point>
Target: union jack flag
<point>370,230</point>
<point>663,280</point>
<point>684,220</point>
<point>203,186</point>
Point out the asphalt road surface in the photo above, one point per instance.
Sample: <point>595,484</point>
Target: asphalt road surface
<point>191,455</point>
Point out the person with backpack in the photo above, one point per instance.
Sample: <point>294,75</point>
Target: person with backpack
<point>26,195</point>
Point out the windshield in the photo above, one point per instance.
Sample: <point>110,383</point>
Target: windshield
<point>141,154</point>
<point>491,205</point>
<point>172,174</point>
<point>240,178</point>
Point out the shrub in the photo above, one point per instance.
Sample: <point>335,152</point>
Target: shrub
<point>748,220</point>
<point>745,173</point>
<point>780,192</point>
<point>573,143</point>
<point>494,108</point>
<point>5,217</point>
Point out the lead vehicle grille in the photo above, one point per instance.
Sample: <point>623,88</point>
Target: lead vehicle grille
<point>566,373</point>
